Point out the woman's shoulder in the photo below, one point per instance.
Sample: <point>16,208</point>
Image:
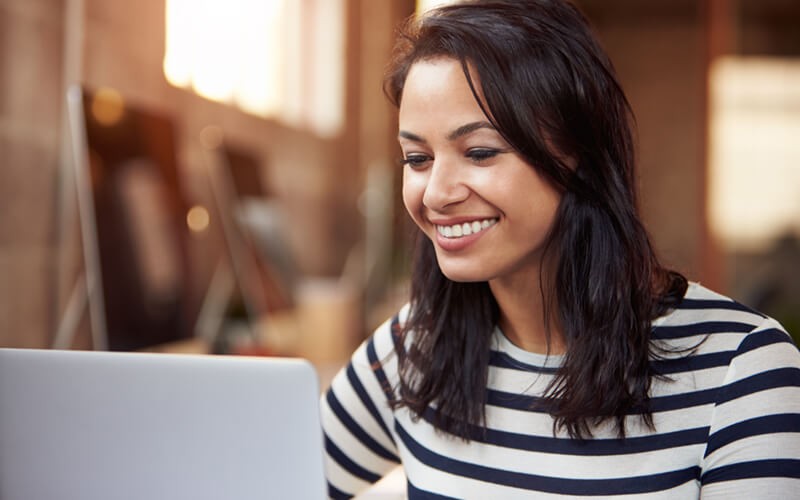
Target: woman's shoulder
<point>386,337</point>
<point>373,365</point>
<point>701,305</point>
<point>715,322</point>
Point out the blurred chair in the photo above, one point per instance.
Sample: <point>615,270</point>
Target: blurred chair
<point>137,274</point>
<point>255,276</point>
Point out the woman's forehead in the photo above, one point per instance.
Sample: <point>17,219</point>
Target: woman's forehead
<point>440,82</point>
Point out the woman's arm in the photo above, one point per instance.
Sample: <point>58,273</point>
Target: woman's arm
<point>753,448</point>
<point>357,420</point>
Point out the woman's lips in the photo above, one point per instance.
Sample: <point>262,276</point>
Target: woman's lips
<point>454,237</point>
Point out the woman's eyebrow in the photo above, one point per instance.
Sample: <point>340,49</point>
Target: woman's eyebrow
<point>466,129</point>
<point>411,137</point>
<point>455,134</point>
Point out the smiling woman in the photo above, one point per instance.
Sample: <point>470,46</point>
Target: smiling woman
<point>460,171</point>
<point>545,350</point>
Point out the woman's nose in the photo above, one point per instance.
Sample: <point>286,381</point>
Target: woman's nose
<point>445,185</point>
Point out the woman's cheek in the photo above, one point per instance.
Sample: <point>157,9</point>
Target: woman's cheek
<point>413,191</point>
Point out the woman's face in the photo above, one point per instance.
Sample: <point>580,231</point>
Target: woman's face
<point>487,211</point>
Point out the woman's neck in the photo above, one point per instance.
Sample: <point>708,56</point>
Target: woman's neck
<point>522,316</point>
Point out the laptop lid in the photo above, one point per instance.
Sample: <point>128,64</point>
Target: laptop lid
<point>110,425</point>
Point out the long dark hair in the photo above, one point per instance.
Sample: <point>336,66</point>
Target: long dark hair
<point>552,93</point>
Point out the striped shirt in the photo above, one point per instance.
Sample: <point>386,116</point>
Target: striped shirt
<point>727,421</point>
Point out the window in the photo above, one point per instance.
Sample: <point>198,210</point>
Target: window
<point>280,59</point>
<point>754,152</point>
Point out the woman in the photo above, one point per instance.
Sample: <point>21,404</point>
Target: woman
<point>544,350</point>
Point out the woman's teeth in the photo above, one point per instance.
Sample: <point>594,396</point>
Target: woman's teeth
<point>465,229</point>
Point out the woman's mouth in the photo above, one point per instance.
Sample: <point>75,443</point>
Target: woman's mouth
<point>465,229</point>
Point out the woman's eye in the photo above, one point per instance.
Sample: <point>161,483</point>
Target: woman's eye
<point>416,160</point>
<point>481,154</point>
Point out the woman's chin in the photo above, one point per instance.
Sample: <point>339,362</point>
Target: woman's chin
<point>461,275</point>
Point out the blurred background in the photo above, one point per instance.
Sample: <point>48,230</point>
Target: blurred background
<point>221,175</point>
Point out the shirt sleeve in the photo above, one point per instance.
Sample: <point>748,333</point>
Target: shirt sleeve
<point>357,420</point>
<point>753,448</point>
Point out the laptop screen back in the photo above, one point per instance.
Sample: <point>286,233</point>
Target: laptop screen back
<point>102,425</point>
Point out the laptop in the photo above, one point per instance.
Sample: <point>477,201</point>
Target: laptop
<point>112,425</point>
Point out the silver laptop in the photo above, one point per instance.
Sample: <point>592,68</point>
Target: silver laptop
<point>105,426</point>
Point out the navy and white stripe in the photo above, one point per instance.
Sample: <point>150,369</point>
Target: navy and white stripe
<point>726,409</point>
